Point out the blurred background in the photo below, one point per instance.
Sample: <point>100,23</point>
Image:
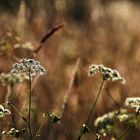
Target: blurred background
<point>95,32</point>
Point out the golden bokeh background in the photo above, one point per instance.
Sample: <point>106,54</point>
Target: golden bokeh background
<point>95,32</point>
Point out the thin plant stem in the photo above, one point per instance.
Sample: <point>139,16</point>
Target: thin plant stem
<point>113,100</point>
<point>67,95</point>
<point>92,109</point>
<point>124,133</point>
<point>29,109</point>
<point>10,93</point>
<point>11,105</point>
<point>68,92</point>
<point>39,130</point>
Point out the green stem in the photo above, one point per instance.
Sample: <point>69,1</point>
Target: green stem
<point>92,109</point>
<point>29,109</point>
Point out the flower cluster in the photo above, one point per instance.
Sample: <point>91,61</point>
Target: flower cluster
<point>107,73</point>
<point>133,102</point>
<point>7,78</point>
<point>28,66</point>
<point>106,123</point>
<point>52,117</point>
<point>4,111</point>
<point>14,132</point>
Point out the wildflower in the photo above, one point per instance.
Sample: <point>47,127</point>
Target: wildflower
<point>54,118</point>
<point>106,123</point>
<point>7,78</point>
<point>3,133</point>
<point>107,73</point>
<point>28,66</point>
<point>14,132</point>
<point>4,111</point>
<point>105,119</point>
<point>133,102</point>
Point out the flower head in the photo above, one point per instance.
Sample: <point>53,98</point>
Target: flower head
<point>133,102</point>
<point>7,78</point>
<point>106,123</point>
<point>28,66</point>
<point>52,117</point>
<point>4,111</point>
<point>107,73</point>
<point>14,132</point>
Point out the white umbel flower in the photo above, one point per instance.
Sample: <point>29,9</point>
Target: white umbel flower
<point>28,66</point>
<point>107,73</point>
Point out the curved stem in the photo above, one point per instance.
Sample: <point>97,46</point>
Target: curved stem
<point>29,109</point>
<point>92,109</point>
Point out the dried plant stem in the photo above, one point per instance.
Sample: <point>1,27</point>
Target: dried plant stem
<point>29,109</point>
<point>66,97</point>
<point>47,36</point>
<point>92,109</point>
<point>67,94</point>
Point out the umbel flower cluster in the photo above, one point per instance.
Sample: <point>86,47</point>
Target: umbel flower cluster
<point>28,66</point>
<point>108,117</point>
<point>133,102</point>
<point>4,111</point>
<point>14,132</point>
<point>106,123</point>
<point>106,73</point>
<point>7,78</point>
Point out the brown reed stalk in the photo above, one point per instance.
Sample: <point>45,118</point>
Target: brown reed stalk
<point>71,82</point>
<point>47,36</point>
<point>66,97</point>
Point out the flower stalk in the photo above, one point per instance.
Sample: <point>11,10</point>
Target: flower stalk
<point>84,128</point>
<point>107,74</point>
<point>30,68</point>
<point>29,109</point>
